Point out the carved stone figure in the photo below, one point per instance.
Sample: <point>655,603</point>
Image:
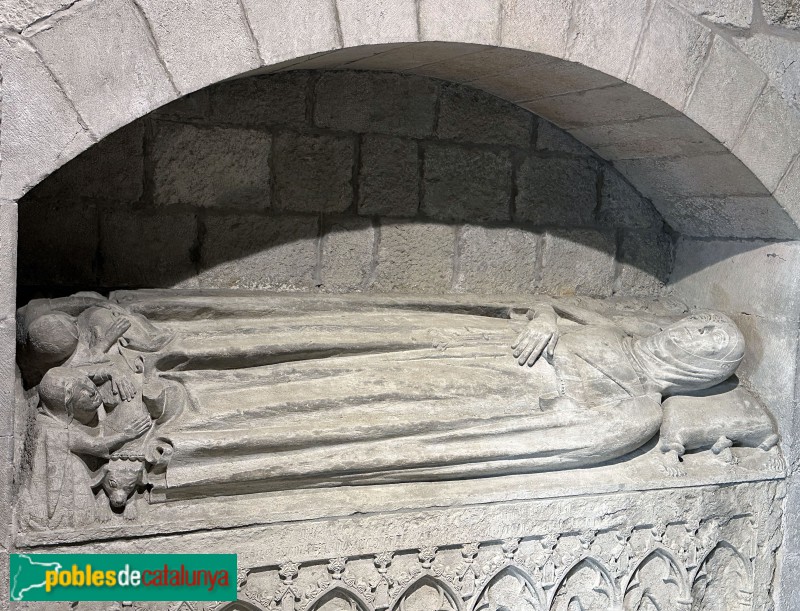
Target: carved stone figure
<point>296,391</point>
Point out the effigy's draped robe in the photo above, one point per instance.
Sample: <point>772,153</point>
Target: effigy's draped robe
<point>309,392</point>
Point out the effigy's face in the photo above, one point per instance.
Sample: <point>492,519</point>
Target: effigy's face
<point>702,335</point>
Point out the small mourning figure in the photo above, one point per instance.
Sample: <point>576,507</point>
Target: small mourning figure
<point>98,406</point>
<point>71,442</point>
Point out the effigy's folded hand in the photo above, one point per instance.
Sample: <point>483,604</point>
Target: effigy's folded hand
<point>539,338</point>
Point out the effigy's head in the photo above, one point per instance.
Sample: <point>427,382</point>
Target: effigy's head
<point>53,337</point>
<point>697,352</point>
<point>68,391</point>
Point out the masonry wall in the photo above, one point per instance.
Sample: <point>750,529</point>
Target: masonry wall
<point>342,181</point>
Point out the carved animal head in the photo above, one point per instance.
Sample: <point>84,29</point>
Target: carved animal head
<point>121,478</point>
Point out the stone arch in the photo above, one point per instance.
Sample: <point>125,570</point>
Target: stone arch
<point>572,67</point>
<point>426,593</point>
<point>339,593</point>
<point>675,575</point>
<point>592,579</point>
<point>528,590</point>
<point>726,568</point>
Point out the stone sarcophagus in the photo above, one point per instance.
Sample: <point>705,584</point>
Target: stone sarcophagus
<point>404,453</point>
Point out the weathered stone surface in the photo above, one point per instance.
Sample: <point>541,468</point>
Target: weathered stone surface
<point>466,184</point>
<point>18,14</point>
<point>8,259</point>
<point>415,257</point>
<point>788,191</point>
<point>536,25</point>
<point>747,276</point>
<point>40,127</point>
<point>210,167</point>
<point>385,103</point>
<point>9,428</point>
<point>347,251</point>
<point>606,105</point>
<point>110,171</point>
<point>777,57</point>
<point>201,41</point>
<point>479,62</point>
<point>498,260</point>
<point>467,115</point>
<point>578,262</point>
<point>785,13</point>
<point>622,206</point>
<point>258,252</point>
<point>705,175</point>
<point>671,54</point>
<point>382,21</point>
<point>541,77</point>
<point>605,34</point>
<point>165,259</point>
<point>278,99</point>
<point>771,138</point>
<point>413,57</point>
<point>645,261</point>
<point>655,137</point>
<point>732,217</point>
<point>388,181</point>
<point>286,29</point>
<point>736,13</point>
<point>60,251</point>
<point>557,192</point>
<point>725,92</point>
<point>553,139</point>
<point>102,54</point>
<point>475,21</point>
<point>313,173</point>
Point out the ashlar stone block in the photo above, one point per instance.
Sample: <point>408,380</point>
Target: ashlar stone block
<point>201,41</point>
<point>771,138</point>
<point>468,115</point>
<point>537,25</point>
<point>415,257</point>
<point>725,92</point>
<point>259,252</point>
<point>102,54</point>
<point>347,252</point>
<point>381,21</point>
<point>499,260</point>
<point>644,263</point>
<point>473,21</point>
<point>389,176</point>
<point>480,61</point>
<point>785,13</point>
<point>731,217</point>
<point>410,57</point>
<point>777,57</point>
<point>605,34</point>
<point>313,173</point>
<point>556,192</point>
<point>466,184</point>
<point>8,259</point>
<point>598,106</point>
<point>274,100</point>
<point>578,262</point>
<point>671,54</point>
<point>788,191</point>
<point>621,205</point>
<point>41,128</point>
<point>210,167</point>
<point>553,139</point>
<point>394,104</point>
<point>735,13</point>
<point>164,259</point>
<point>287,29</point>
